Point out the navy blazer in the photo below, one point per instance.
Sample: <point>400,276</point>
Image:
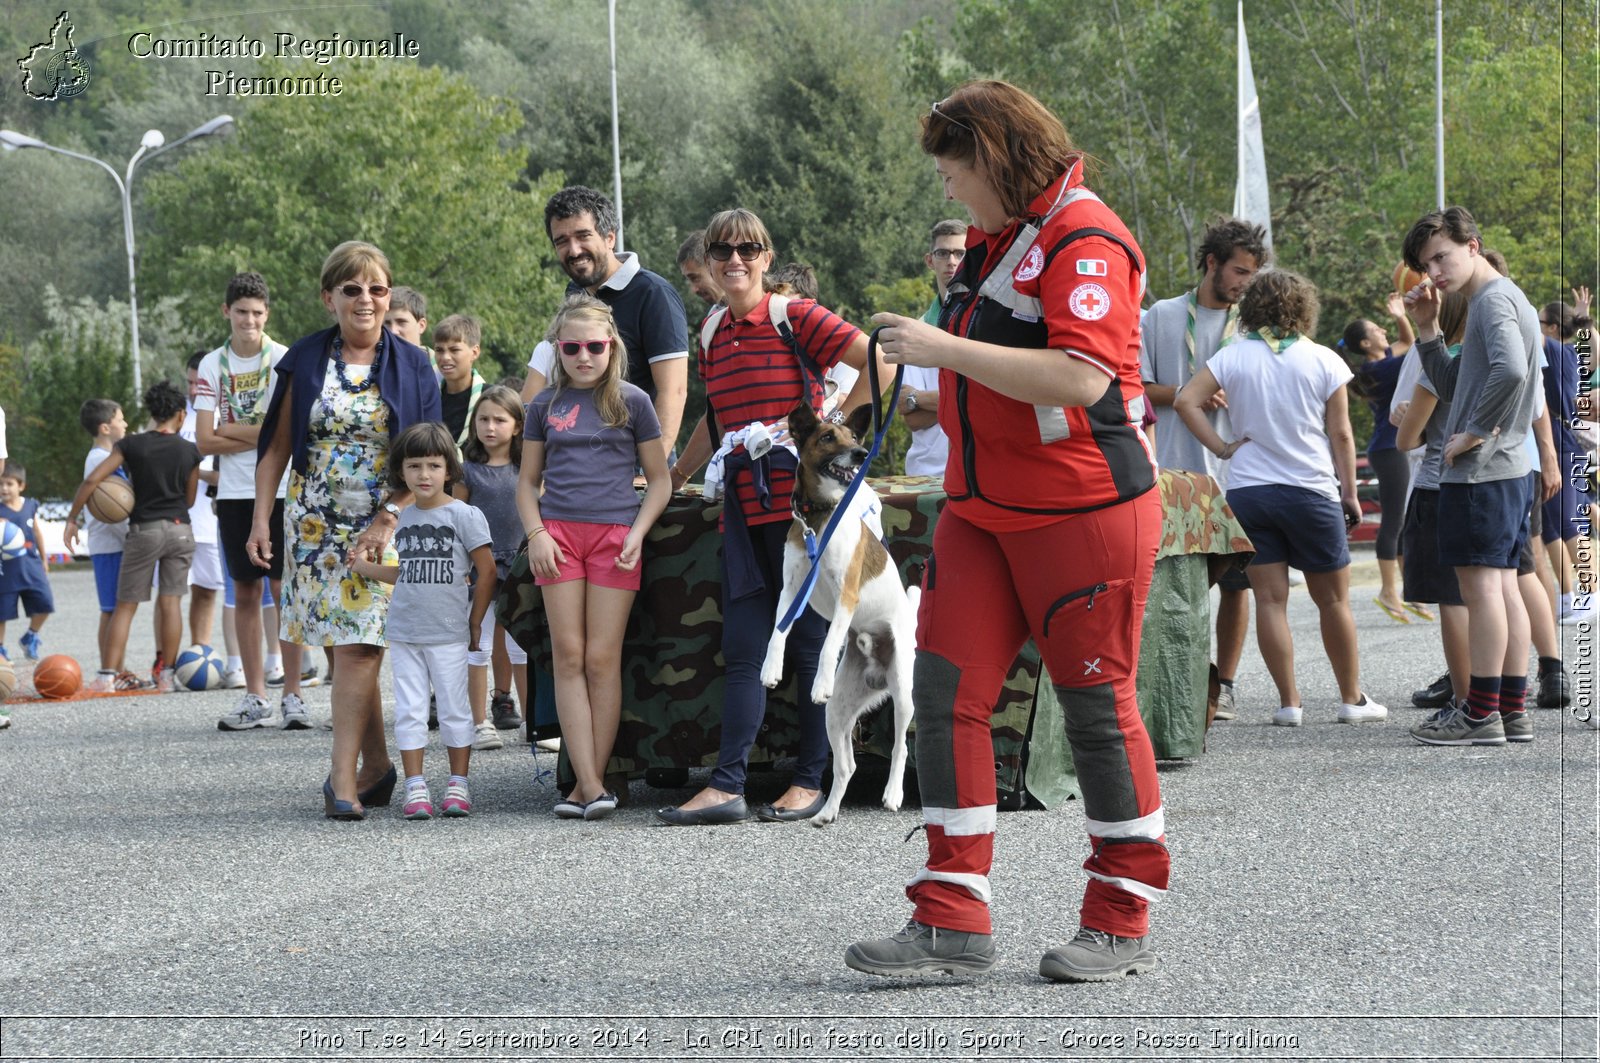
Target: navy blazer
<point>406,383</point>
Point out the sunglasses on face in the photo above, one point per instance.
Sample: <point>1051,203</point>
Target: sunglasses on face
<point>722,250</point>
<point>353,291</point>
<point>572,348</point>
<point>949,253</point>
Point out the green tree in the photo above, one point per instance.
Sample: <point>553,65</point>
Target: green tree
<point>412,159</point>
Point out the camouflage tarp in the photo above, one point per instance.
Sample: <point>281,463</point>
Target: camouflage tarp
<point>672,665</point>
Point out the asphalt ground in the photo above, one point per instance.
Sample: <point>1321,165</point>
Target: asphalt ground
<point>168,891</point>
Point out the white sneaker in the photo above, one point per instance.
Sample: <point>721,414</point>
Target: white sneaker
<point>104,681</point>
<point>1582,611</point>
<point>548,745</point>
<point>252,711</point>
<point>1287,716</point>
<point>233,680</point>
<point>167,681</point>
<point>275,675</point>
<point>1364,711</point>
<point>293,714</point>
<point>487,737</point>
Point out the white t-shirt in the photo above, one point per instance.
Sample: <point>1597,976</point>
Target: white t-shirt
<point>930,448</point>
<point>1279,403</point>
<point>237,395</point>
<point>202,515</point>
<point>102,538</point>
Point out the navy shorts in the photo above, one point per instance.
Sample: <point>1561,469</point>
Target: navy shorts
<point>1564,516</point>
<point>34,600</point>
<point>1484,525</point>
<point>1423,577</point>
<point>1294,525</point>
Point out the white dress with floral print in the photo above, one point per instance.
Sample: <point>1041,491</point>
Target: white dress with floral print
<point>324,603</point>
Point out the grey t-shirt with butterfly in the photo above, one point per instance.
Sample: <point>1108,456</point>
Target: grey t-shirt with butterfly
<point>431,600</point>
<point>588,466</point>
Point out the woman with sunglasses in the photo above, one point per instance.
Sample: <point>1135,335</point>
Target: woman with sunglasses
<point>754,375</point>
<point>338,397</point>
<point>1050,532</point>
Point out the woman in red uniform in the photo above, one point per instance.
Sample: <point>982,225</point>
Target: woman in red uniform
<point>1050,533</point>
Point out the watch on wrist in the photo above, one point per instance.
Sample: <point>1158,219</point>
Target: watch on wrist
<point>911,400</point>
<point>392,509</point>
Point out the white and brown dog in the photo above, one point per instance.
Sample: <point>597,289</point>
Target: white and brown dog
<point>872,618</point>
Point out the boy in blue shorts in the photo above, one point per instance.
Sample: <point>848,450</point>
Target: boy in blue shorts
<point>104,421</point>
<point>23,579</point>
<point>1484,490</point>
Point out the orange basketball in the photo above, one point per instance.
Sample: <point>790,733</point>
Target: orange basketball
<point>112,500</point>
<point>8,679</point>
<point>58,676</point>
<point>1406,278</point>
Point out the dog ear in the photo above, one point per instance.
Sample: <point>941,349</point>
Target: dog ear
<point>802,422</point>
<point>860,422</point>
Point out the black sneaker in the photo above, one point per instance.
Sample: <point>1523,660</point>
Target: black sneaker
<point>920,949</point>
<point>1553,690</point>
<point>1436,695</point>
<point>504,709</point>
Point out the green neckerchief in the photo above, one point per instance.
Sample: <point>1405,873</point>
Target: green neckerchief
<point>478,384</point>
<point>1229,326</point>
<point>236,410</point>
<point>1277,340</point>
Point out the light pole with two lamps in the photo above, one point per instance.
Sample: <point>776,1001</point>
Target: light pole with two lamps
<point>152,144</point>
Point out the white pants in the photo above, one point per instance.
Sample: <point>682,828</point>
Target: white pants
<point>480,658</point>
<point>415,667</point>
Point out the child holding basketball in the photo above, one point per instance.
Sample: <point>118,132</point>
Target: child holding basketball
<point>439,539</point>
<point>103,420</point>
<point>493,459</point>
<point>585,435</point>
<point>24,578</point>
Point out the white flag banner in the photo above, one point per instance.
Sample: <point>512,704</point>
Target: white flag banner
<point>1250,199</point>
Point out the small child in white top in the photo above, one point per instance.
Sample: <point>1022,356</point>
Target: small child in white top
<point>429,626</point>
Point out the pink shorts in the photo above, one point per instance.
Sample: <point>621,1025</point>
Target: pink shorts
<point>591,552</point>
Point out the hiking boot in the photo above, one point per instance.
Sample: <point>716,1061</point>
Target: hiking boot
<point>1225,709</point>
<point>30,644</point>
<point>1435,695</point>
<point>1096,956</point>
<point>1453,727</point>
<point>251,712</point>
<point>1554,690</point>
<point>920,949</point>
<point>294,714</point>
<point>1518,726</point>
<point>486,737</point>
<point>1364,711</point>
<point>504,710</point>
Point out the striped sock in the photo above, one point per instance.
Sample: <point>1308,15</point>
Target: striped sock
<point>1483,697</point>
<point>1513,693</point>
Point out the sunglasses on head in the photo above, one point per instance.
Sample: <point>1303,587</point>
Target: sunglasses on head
<point>571,348</point>
<point>722,251</point>
<point>353,291</point>
<point>934,109</point>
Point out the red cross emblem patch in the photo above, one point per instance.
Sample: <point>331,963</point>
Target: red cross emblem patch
<point>1032,264</point>
<point>1090,302</point>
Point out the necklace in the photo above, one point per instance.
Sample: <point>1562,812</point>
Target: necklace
<point>344,378</point>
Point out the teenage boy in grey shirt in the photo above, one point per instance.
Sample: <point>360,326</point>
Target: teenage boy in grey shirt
<point>1484,491</point>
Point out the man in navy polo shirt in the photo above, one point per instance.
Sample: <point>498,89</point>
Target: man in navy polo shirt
<point>582,224</point>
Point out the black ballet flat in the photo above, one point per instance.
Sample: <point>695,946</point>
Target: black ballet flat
<point>774,814</point>
<point>378,794</point>
<point>732,811</point>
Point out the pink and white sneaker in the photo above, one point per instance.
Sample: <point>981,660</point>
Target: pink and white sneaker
<point>457,800</point>
<point>419,803</point>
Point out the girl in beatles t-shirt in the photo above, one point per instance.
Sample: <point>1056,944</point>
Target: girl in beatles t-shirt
<point>586,435</point>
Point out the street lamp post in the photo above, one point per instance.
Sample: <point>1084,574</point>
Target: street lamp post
<point>153,143</point>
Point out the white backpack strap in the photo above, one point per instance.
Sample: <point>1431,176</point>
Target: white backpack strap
<point>778,314</point>
<point>708,328</point>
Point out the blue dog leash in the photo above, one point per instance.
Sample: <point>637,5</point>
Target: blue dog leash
<point>880,423</point>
